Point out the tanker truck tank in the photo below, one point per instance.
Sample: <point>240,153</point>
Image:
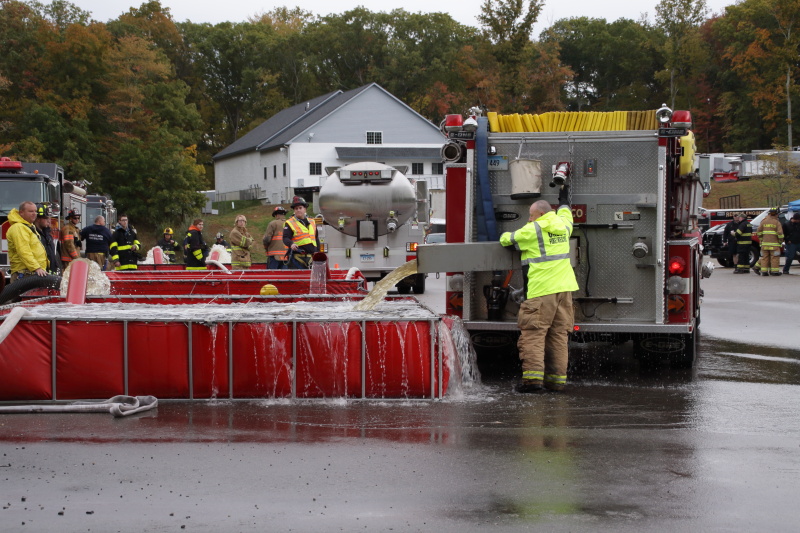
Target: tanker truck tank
<point>366,200</point>
<point>372,218</point>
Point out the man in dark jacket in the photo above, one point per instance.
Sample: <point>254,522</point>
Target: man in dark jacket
<point>42,224</point>
<point>744,241</point>
<point>729,239</point>
<point>124,246</point>
<point>195,248</point>
<point>791,236</point>
<point>98,241</point>
<point>168,245</point>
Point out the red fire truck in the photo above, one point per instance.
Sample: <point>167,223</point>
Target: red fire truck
<point>39,183</point>
<point>635,249</point>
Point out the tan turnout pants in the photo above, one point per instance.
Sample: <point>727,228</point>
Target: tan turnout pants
<point>770,262</point>
<point>545,323</point>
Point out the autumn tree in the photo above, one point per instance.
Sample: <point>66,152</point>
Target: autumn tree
<point>508,24</point>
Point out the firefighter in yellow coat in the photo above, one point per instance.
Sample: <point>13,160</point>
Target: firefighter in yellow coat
<point>546,318</point>
<point>770,235</point>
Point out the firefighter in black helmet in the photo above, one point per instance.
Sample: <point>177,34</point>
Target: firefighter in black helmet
<point>300,236</point>
<point>273,240</point>
<point>168,245</point>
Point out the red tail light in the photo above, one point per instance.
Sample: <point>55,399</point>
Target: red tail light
<point>676,265</point>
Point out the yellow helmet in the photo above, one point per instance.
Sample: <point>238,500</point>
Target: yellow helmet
<point>269,289</point>
<point>168,231</point>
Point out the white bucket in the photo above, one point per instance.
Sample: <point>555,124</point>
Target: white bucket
<point>526,178</point>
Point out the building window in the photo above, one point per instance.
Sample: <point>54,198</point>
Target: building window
<point>284,170</point>
<point>315,169</point>
<point>417,168</point>
<point>438,168</point>
<point>265,172</point>
<point>374,137</point>
<point>274,171</point>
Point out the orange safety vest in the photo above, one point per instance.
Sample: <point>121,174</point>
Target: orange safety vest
<point>302,235</point>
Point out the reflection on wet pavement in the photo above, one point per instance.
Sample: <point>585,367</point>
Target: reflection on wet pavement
<point>630,447</point>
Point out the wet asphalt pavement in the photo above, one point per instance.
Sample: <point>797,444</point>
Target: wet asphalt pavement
<point>627,448</point>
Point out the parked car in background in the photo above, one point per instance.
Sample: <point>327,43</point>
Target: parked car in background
<point>435,238</point>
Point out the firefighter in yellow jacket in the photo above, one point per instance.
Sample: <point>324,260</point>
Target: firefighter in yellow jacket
<point>770,235</point>
<point>546,318</point>
<point>241,241</point>
<point>26,254</point>
<point>70,238</point>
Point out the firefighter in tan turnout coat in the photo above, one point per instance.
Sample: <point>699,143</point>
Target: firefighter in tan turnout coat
<point>770,235</point>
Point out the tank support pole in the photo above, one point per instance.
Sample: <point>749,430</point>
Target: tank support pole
<point>191,364</point>
<point>53,360</point>
<point>294,359</point>
<point>441,356</point>
<point>125,356</point>
<point>230,360</point>
<point>431,328</point>
<point>363,359</point>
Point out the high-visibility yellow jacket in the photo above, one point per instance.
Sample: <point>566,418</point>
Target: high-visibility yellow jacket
<point>544,244</point>
<point>25,251</point>
<point>302,235</point>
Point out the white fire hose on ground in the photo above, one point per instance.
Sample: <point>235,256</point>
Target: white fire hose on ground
<point>118,406</point>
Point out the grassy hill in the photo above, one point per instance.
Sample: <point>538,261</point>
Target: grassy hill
<point>752,193</point>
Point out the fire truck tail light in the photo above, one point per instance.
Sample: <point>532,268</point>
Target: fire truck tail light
<point>677,285</point>
<point>676,265</point>
<point>411,246</point>
<point>456,282</point>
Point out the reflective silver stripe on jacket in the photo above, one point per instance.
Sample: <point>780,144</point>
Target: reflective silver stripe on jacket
<point>542,251</point>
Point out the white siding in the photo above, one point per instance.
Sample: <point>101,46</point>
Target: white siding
<point>372,110</point>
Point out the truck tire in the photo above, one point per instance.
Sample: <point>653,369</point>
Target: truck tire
<point>13,292</point>
<point>403,288</point>
<point>724,262</point>
<point>677,349</point>
<point>419,284</point>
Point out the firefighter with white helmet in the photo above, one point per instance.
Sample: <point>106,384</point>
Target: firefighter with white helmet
<point>545,319</point>
<point>300,236</point>
<point>219,238</point>
<point>168,245</point>
<point>770,235</point>
<point>273,240</point>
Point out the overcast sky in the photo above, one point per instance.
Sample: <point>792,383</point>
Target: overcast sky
<point>464,11</point>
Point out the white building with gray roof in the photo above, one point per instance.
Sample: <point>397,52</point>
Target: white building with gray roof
<point>291,152</point>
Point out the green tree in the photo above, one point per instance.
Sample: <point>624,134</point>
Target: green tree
<point>613,64</point>
<point>761,50</point>
<point>680,21</point>
<point>508,25</point>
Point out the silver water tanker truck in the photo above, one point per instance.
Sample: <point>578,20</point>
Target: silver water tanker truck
<point>373,220</point>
